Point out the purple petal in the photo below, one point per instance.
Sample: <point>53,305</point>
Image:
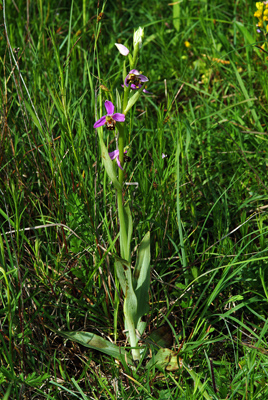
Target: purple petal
<point>100,122</point>
<point>118,163</point>
<point>135,87</point>
<point>143,78</point>
<point>119,117</point>
<point>122,49</point>
<point>109,107</point>
<point>114,154</point>
<point>164,155</point>
<point>134,71</point>
<point>146,91</point>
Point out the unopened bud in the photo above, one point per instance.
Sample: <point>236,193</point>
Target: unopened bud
<point>138,36</point>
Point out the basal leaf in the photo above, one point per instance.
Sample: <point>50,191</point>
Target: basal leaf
<point>130,313</point>
<point>141,278</point>
<point>96,342</point>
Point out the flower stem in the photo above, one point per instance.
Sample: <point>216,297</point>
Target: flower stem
<point>135,56</point>
<point>122,219</point>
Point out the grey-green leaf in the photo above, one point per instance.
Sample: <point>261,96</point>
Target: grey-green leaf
<point>96,342</point>
<point>141,278</point>
<point>130,312</point>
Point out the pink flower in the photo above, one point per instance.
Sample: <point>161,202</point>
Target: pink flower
<point>135,80</point>
<point>110,119</point>
<point>115,155</point>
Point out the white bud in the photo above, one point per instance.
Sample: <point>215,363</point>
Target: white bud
<point>138,36</point>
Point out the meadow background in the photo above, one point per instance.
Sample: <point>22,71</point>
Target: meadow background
<point>205,203</point>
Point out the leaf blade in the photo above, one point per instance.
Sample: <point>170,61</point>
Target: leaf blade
<point>141,278</point>
<point>96,342</point>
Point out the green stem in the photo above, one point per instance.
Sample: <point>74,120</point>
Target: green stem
<point>135,57</point>
<point>126,95</point>
<point>125,254</point>
<point>121,213</point>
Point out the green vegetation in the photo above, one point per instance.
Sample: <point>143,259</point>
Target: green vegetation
<point>205,204</point>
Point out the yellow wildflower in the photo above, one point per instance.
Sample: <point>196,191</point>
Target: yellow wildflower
<point>261,13</point>
<point>259,5</point>
<point>258,14</point>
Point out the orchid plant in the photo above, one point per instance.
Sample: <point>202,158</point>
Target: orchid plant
<point>134,284</point>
